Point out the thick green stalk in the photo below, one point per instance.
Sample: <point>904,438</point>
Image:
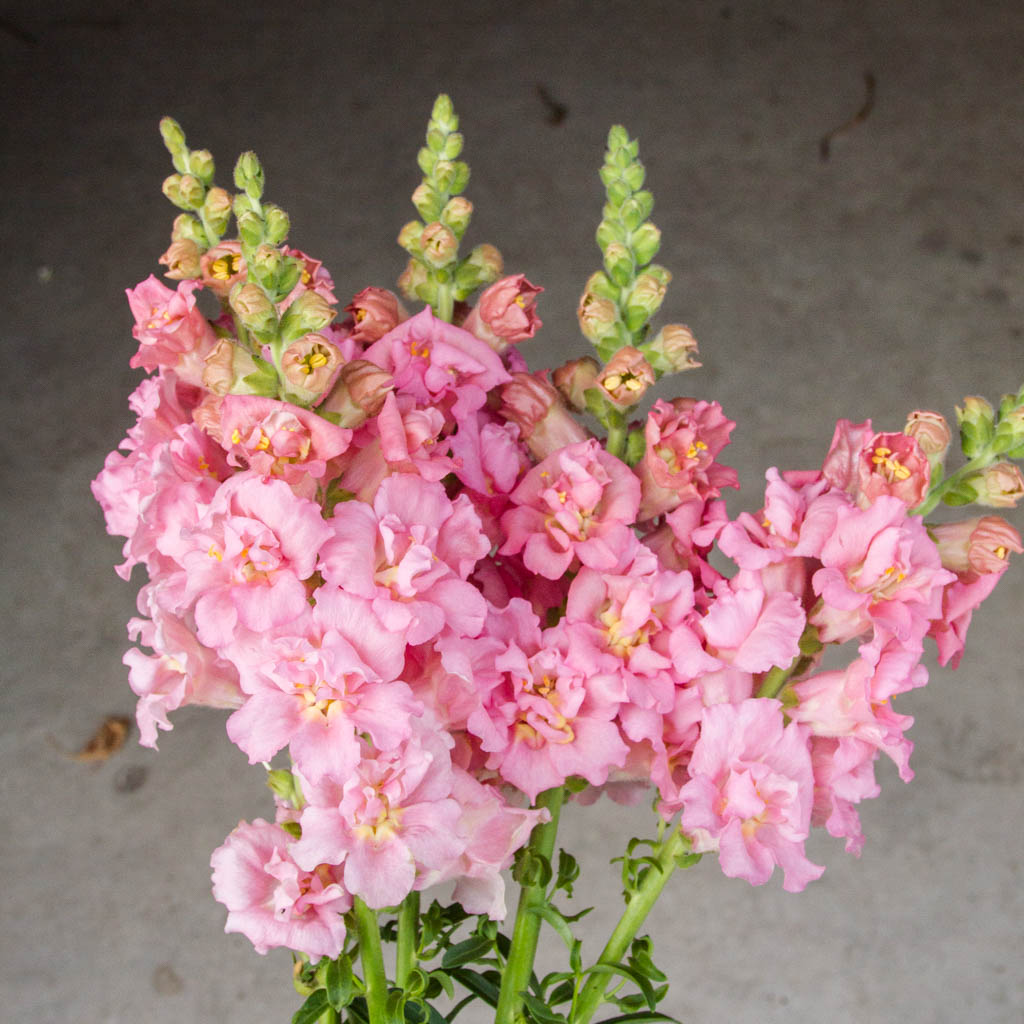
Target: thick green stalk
<point>527,925</point>
<point>373,961</point>
<point>936,494</point>
<point>408,938</point>
<point>616,441</point>
<point>637,909</point>
<point>445,303</point>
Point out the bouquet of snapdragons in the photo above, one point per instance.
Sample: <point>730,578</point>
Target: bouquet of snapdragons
<point>442,595</point>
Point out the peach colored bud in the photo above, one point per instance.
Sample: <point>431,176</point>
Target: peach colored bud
<point>375,312</point>
<point>439,244</point>
<point>309,364</point>
<point>182,260</point>
<point>218,376</point>
<point>626,377</point>
<point>251,304</point>
<point>982,545</point>
<point>456,214</point>
<point>359,392</point>
<point>489,260</point>
<point>544,422</point>
<point>930,430</point>
<point>677,346</point>
<point>999,486</point>
<point>409,236</point>
<point>576,377</point>
<point>596,316</point>
<point>412,279</point>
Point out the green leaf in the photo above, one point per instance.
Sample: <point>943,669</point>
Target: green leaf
<point>264,380</point>
<point>635,976</point>
<point>568,872</point>
<point>555,919</point>
<point>641,1017</point>
<point>338,982</point>
<point>312,1009</point>
<point>480,986</point>
<point>541,1012</point>
<point>465,952</point>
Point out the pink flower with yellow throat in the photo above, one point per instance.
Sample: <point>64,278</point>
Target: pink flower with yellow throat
<point>505,313</point>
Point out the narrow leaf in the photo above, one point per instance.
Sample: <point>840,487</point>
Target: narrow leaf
<point>465,952</point>
<point>312,1009</point>
<point>477,984</point>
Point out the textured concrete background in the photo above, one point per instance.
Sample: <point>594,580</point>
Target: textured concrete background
<point>887,277</point>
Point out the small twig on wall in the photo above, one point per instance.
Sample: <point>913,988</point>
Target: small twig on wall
<point>824,147</point>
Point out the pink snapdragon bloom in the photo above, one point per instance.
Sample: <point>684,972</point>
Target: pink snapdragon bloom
<point>375,311</point>
<point>505,313</point>
<point>180,671</point>
<point>438,363</point>
<point>879,567</point>
<point>272,901</point>
<point>867,465</point>
<point>684,438</point>
<point>222,267</point>
<point>247,558</point>
<point>750,793</point>
<point>170,330</point>
<point>278,439</point>
<point>844,774</point>
<point>392,825</point>
<point>311,690</point>
<point>409,554</point>
<point>577,503</point>
<point>536,408</point>
<point>685,539</point>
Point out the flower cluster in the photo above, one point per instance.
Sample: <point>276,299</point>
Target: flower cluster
<point>397,555</point>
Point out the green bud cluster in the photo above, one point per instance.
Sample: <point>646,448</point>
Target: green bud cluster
<point>435,274</point>
<point>620,300</point>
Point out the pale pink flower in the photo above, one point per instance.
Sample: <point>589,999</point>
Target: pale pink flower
<point>313,278</point>
<point>844,774</point>
<point>392,825</point>
<point>684,438</point>
<point>310,365</point>
<point>171,331</point>
<point>626,378</point>
<point>272,901</point>
<point>867,465</point>
<point>577,503</point>
<point>375,311</point>
<point>750,793</point>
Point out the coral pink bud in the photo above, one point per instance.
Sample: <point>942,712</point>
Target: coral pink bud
<point>505,313</point>
<point>222,267</point>
<point>999,486</point>
<point>677,348</point>
<point>439,244</point>
<point>359,392</point>
<point>226,367</point>
<point>545,424</point>
<point>309,365</point>
<point>626,377</point>
<point>182,260</point>
<point>375,311</point>
<point>981,545</point>
<point>930,430</point>
<point>576,377</point>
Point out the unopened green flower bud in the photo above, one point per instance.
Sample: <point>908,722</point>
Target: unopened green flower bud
<point>200,163</point>
<point>250,228</point>
<point>309,313</point>
<point>427,201</point>
<point>977,425</point>
<point>618,262</point>
<point>600,285</point>
<point>265,264</point>
<point>575,378</point>
<point>412,279</point>
<point>409,238</point>
<point>1009,436</point>
<point>192,192</point>
<point>253,308</point>
<point>439,245</point>
<point>276,223</point>
<point>645,298</point>
<point>187,228</point>
<point>646,242</point>
<point>171,188</point>
<point>610,232</point>
<point>443,114</point>
<point>597,317</point>
<point>456,215</point>
<point>217,209</point>
<point>634,173</point>
<point>673,349</point>
<point>451,176</point>
<point>173,136</point>
<point>249,175</point>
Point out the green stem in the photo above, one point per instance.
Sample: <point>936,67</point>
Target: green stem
<point>445,303</point>
<point>616,441</point>
<point>936,494</point>
<point>408,938</point>
<point>637,909</point>
<point>373,961</point>
<point>526,930</point>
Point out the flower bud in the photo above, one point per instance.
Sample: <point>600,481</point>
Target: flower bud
<point>456,215</point>
<point>182,260</point>
<point>186,227</point>
<point>618,262</point>
<point>226,368</point>
<point>646,297</point>
<point>597,317</point>
<point>545,424</point>
<point>253,308</point>
<point>413,280</point>
<point>626,377</point>
<point>409,238</point>
<point>359,392</point>
<point>999,486</point>
<point>673,349</point>
<point>200,163</point>
<point>249,175</point>
<point>217,209</point>
<point>191,191</point>
<point>173,136</point>
<point>171,188</point>
<point>250,228</point>
<point>375,311</point>
<point>427,201</point>
<point>489,262</point>
<point>276,223</point>
<point>309,366</point>
<point>439,245</point>
<point>980,546</point>
<point>646,242</point>
<point>309,313</point>
<point>576,377</point>
<point>977,425</point>
<point>931,431</point>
